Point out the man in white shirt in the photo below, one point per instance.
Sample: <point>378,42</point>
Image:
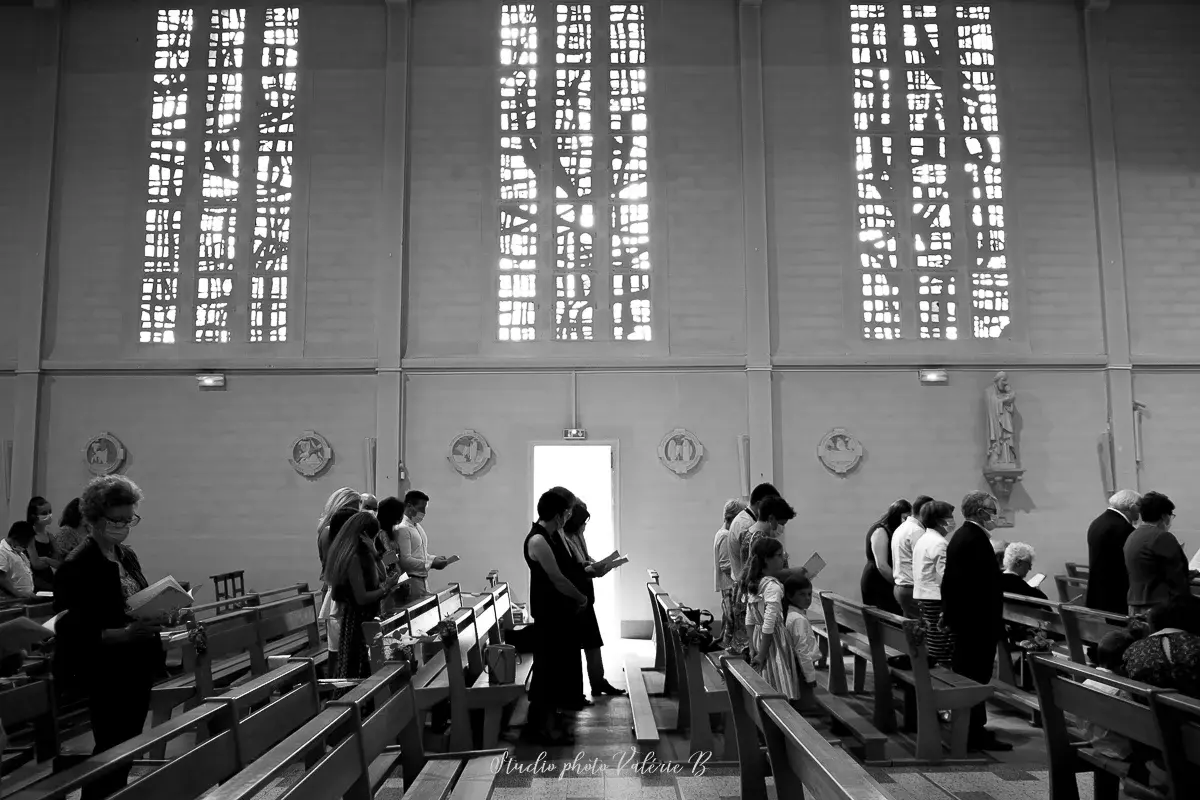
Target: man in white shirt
<point>16,575</point>
<point>902,557</point>
<point>413,547</point>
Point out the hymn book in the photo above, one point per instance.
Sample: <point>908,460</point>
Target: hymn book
<point>613,560</point>
<point>813,566</point>
<point>159,599</point>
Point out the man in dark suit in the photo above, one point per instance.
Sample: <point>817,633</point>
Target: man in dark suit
<point>973,602</point>
<point>1108,578</point>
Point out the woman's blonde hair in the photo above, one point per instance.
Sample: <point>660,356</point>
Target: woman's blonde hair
<point>344,497</point>
<point>343,550</point>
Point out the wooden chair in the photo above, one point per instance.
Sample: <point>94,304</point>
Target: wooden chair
<point>746,687</point>
<point>228,585</point>
<point>1178,719</point>
<point>928,690</point>
<point>1061,692</point>
<point>231,731</point>
<point>801,759</point>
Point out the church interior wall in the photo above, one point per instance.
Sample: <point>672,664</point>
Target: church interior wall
<point>220,494</point>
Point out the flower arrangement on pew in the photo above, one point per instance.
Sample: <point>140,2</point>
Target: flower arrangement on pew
<point>915,631</point>
<point>691,634</point>
<point>446,630</point>
<point>1039,642</point>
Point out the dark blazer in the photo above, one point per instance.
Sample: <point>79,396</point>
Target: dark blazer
<point>88,587</point>
<point>1108,580</point>
<point>1158,569</point>
<point>972,596</point>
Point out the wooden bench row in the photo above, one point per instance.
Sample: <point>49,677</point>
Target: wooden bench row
<point>1157,719</point>
<point>692,677</point>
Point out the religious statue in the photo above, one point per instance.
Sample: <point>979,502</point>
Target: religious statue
<point>1002,446</point>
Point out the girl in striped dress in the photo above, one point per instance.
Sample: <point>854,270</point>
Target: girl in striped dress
<point>769,647</point>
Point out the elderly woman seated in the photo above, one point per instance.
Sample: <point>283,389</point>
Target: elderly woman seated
<point>1018,563</point>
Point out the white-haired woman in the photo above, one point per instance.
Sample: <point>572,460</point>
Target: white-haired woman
<point>1018,563</point>
<point>724,581</point>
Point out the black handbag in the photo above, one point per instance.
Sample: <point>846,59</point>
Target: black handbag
<point>521,637</point>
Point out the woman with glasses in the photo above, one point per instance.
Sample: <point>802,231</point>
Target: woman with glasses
<point>102,653</point>
<point>1158,568</point>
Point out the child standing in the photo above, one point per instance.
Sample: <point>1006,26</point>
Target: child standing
<point>769,650</point>
<point>802,642</point>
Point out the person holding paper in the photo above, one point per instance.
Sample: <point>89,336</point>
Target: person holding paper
<point>413,546</point>
<point>876,583</point>
<point>16,576</point>
<point>102,652</point>
<point>1158,569</point>
<point>902,558</point>
<point>1018,563</point>
<point>590,639</point>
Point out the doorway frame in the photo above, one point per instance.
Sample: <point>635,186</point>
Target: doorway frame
<point>615,444</point>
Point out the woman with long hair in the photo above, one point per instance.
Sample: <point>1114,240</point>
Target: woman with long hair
<point>590,640</point>
<point>344,497</point>
<point>769,649</point>
<point>877,584</point>
<point>356,577</point>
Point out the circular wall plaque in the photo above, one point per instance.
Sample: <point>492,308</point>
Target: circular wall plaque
<point>680,451</point>
<point>104,454</point>
<point>469,452</point>
<point>839,451</point>
<point>310,454</point>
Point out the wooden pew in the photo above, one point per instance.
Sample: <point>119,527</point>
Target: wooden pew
<point>929,690</point>
<point>231,731</point>
<point>701,688</point>
<point>841,612</point>
<point>1085,627</point>
<point>802,760</point>
<point>1075,570</point>
<point>664,655</point>
<point>746,687</point>
<point>1178,719</point>
<point>1071,589</point>
<point>1061,692</point>
<point>204,611</point>
<point>32,704</point>
<point>350,752</point>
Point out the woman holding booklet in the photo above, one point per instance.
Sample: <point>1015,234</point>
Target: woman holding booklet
<point>105,652</point>
<point>589,627</point>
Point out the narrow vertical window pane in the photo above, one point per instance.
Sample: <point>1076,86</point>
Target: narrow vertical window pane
<point>221,175</point>
<point>164,213</point>
<point>274,191</point>
<point>520,169</point>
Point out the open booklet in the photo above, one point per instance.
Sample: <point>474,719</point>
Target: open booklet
<point>1195,563</point>
<point>613,560</point>
<point>813,566</point>
<point>159,599</point>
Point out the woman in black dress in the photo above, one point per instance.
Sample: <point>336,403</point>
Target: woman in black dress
<point>355,574</point>
<point>44,558</point>
<point>589,627</point>
<point>877,584</point>
<point>556,603</point>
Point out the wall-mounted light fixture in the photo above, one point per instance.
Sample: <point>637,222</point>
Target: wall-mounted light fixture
<point>210,380</point>
<point>933,377</point>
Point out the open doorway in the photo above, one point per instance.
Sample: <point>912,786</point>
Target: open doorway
<point>589,470</point>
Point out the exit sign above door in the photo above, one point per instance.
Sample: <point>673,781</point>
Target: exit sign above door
<point>574,433</point>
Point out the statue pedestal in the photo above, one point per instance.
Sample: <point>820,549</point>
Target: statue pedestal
<point>1001,478</point>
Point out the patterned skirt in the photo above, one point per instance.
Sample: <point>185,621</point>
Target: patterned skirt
<point>937,641</point>
<point>352,658</point>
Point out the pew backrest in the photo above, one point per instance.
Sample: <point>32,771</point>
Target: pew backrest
<point>1034,613</point>
<point>225,636</point>
<point>1177,717</point>
<point>1061,691</point>
<point>1085,627</point>
<point>286,617</point>
<point>1076,570</point>
<point>33,703</point>
<point>802,759</point>
<point>1071,589</point>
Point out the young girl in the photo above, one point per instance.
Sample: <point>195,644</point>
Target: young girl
<point>802,642</point>
<point>765,621</point>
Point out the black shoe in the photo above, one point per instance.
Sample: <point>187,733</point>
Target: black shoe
<point>604,687</point>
